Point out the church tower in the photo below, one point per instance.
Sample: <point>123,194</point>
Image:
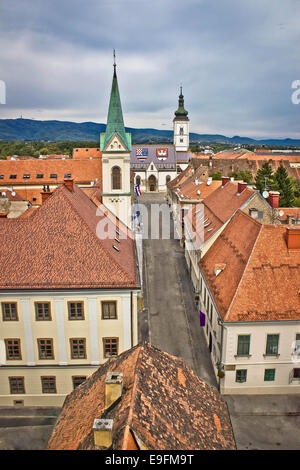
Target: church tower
<point>115,145</point>
<point>181,126</point>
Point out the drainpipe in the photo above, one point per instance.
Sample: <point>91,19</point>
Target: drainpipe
<point>219,364</point>
<point>131,317</point>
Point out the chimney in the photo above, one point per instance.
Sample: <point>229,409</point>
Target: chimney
<point>68,182</point>
<point>274,199</point>
<point>241,186</point>
<point>293,238</point>
<point>113,387</point>
<point>103,433</point>
<point>3,215</point>
<point>225,180</point>
<point>45,194</point>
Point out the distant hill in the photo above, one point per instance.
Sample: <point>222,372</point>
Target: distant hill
<point>58,131</point>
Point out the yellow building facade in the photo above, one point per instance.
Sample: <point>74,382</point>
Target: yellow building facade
<point>66,346</point>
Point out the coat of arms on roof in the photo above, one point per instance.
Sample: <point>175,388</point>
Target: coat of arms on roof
<point>162,153</point>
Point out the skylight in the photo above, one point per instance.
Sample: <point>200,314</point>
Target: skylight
<point>116,248</point>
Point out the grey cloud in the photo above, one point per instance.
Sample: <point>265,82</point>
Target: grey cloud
<point>236,61</point>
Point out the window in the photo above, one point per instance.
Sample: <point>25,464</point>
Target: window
<point>272,345</point>
<point>269,375</point>
<point>67,175</point>
<point>241,375</point>
<point>211,312</point>
<point>45,347</point>
<point>40,175</point>
<point>48,384</point>
<point>110,347</point>
<point>78,350</point>
<point>1,177</point>
<point>296,373</point>
<point>26,176</point>
<point>13,349</point>
<point>181,140</point>
<point>243,347</point>
<point>42,311</point>
<point>13,177</point>
<point>53,175</point>
<point>297,344</point>
<point>16,385</point>
<point>9,311</point>
<point>76,310</point>
<point>168,178</point>
<point>77,380</point>
<point>138,180</point>
<point>109,310</point>
<point>116,178</point>
<point>181,131</point>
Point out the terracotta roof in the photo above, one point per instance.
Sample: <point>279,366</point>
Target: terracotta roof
<point>261,279</point>
<point>293,211</point>
<point>51,157</point>
<point>11,195</point>
<point>86,153</point>
<point>188,189</point>
<point>180,178</point>
<point>218,207</point>
<point>82,171</point>
<point>27,213</point>
<point>58,247</point>
<point>164,405</point>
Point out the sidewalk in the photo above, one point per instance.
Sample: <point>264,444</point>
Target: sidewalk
<point>265,422</point>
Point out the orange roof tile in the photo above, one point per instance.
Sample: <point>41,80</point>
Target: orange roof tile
<point>58,246</point>
<point>262,277</point>
<point>218,207</point>
<point>164,405</point>
<point>86,153</point>
<point>82,171</point>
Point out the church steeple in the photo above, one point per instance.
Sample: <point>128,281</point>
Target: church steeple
<point>181,126</point>
<point>181,113</point>
<point>115,122</point>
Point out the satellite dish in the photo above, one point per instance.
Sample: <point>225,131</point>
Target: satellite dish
<point>198,192</point>
<point>265,194</point>
<point>281,213</point>
<point>13,194</point>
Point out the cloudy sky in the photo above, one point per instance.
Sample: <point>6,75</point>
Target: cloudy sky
<point>236,60</point>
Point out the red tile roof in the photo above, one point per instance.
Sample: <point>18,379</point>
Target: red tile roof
<point>218,208</point>
<point>82,171</point>
<point>57,247</point>
<point>164,405</point>
<point>262,277</point>
<point>11,195</point>
<point>84,153</point>
<point>183,175</point>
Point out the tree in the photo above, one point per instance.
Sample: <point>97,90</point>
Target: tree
<point>264,177</point>
<point>284,184</point>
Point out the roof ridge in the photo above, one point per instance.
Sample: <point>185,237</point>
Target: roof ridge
<point>244,271</point>
<point>93,234</point>
<point>133,397</point>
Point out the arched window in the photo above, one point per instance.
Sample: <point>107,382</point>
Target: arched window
<point>138,180</point>
<point>168,178</point>
<point>116,177</point>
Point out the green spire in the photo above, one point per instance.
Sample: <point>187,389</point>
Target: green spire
<point>115,123</point>
<point>181,113</point>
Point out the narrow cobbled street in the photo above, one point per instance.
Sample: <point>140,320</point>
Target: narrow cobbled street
<point>170,320</point>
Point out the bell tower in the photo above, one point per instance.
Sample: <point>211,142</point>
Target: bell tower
<point>115,145</point>
<point>181,126</point>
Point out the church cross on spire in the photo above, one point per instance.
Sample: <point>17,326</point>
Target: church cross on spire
<point>115,65</point>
